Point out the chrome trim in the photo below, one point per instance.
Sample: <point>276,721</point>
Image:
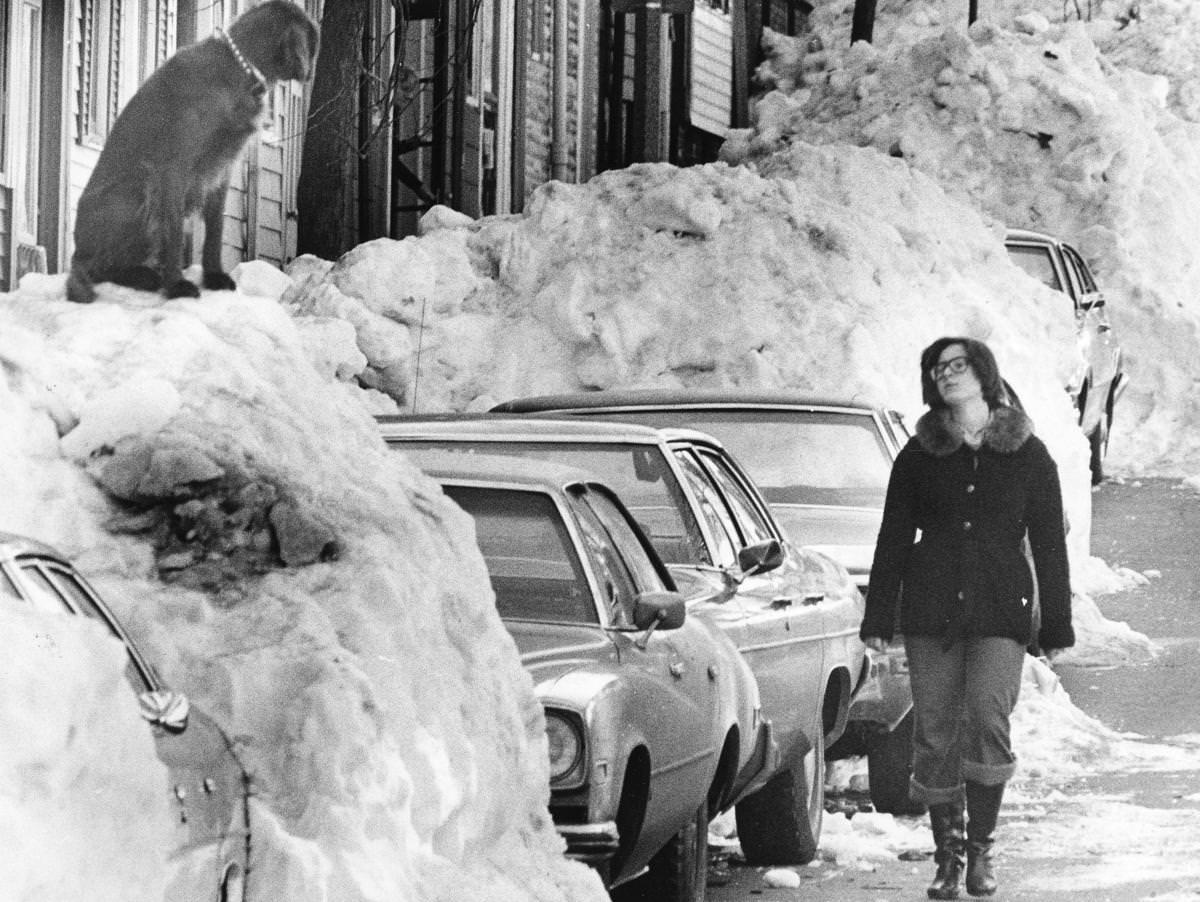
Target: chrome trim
<point>590,843</point>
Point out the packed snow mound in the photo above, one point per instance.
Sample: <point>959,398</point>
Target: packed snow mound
<point>1032,123</point>
<point>83,796</point>
<point>312,591</point>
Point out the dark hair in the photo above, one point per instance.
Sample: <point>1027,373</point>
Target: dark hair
<point>982,361</point>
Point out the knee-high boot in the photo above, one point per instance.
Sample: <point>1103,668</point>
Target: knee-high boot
<point>983,808</point>
<point>946,821</point>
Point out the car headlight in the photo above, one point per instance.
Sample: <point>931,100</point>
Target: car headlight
<point>565,741</point>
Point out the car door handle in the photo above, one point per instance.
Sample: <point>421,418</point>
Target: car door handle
<point>814,598</point>
<point>783,601</point>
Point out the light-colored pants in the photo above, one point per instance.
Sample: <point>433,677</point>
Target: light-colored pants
<point>962,700</point>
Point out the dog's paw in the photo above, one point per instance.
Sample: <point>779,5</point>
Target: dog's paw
<point>218,281</point>
<point>182,289</point>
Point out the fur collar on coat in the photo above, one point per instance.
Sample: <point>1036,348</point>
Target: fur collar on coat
<point>1006,431</point>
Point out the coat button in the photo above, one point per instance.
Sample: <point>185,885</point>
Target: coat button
<point>970,488</point>
<point>961,596</point>
<point>967,526</point>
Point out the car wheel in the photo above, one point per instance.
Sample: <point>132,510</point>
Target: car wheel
<point>679,871</point>
<point>781,823</point>
<point>889,766</point>
<point>1096,443</point>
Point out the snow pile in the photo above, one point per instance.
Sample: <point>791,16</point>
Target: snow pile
<point>1072,128</point>
<point>828,273</point>
<point>312,591</point>
<point>83,785</point>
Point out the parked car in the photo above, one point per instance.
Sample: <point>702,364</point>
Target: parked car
<point>641,700</point>
<point>823,464</point>
<point>1100,376</point>
<point>795,619</point>
<point>209,787</point>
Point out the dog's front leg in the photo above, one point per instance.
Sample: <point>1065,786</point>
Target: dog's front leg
<point>168,204</point>
<point>215,278</point>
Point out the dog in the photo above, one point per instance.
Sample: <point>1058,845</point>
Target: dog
<point>170,152</point>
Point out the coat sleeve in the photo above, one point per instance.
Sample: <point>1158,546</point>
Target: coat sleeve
<point>892,548</point>
<point>1048,542</point>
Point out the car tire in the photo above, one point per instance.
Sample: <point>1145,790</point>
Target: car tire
<point>1096,444</point>
<point>679,870</point>
<point>889,766</point>
<point>781,823</point>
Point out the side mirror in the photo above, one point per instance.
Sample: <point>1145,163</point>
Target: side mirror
<point>761,557</point>
<point>166,709</point>
<point>655,610</point>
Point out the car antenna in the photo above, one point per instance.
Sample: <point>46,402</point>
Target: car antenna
<point>420,338</point>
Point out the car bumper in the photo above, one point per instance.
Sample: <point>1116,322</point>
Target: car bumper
<point>763,763</point>
<point>886,695</point>
<point>591,843</point>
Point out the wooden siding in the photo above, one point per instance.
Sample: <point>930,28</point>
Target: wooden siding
<point>5,237</point>
<point>712,70</point>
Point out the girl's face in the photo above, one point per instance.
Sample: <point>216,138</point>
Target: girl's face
<point>954,376</point>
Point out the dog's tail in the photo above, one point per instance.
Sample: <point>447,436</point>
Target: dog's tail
<point>79,286</point>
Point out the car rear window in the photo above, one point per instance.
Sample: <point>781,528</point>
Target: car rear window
<point>531,560</point>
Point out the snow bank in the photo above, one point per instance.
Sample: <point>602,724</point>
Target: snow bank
<point>1068,127</point>
<point>312,591</point>
<point>83,798</point>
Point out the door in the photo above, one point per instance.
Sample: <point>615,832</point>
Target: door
<point>782,610</point>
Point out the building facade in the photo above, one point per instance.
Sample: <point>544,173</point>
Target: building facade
<point>485,101</point>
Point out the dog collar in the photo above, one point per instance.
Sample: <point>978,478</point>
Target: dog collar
<point>248,67</point>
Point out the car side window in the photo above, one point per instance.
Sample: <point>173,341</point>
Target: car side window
<point>1037,262</point>
<point>749,518</point>
<point>7,589</point>
<point>616,582</point>
<point>715,514</point>
<point>1081,269</point>
<point>645,574</point>
<point>55,589</point>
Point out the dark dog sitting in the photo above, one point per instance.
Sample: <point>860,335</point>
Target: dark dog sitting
<point>171,149</point>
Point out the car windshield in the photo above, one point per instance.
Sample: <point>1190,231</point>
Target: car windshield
<point>794,456</point>
<point>534,570</point>
<point>639,474</point>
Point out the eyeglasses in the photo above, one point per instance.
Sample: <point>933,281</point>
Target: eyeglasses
<point>955,366</point>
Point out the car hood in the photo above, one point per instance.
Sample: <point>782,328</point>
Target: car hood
<point>846,534</point>
<point>551,650</point>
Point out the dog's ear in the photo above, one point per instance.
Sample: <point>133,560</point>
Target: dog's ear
<point>296,53</point>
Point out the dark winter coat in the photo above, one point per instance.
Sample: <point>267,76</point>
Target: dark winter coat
<point>949,550</point>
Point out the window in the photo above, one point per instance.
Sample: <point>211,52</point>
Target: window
<point>531,560</point>
<point>639,473</point>
<point>644,572</point>
<point>747,515</point>
<point>1037,262</point>
<point>7,589</point>
<point>616,581</point>
<point>54,588</point>
<point>713,510</point>
<point>99,64</point>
